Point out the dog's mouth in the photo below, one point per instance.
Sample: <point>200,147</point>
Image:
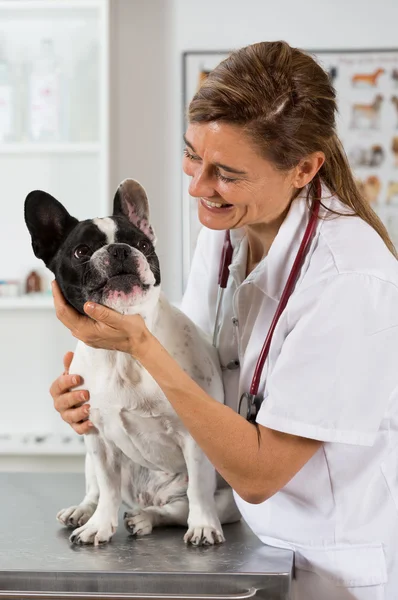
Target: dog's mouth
<point>123,290</point>
<point>123,282</point>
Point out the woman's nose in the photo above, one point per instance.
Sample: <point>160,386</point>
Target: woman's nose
<point>201,185</point>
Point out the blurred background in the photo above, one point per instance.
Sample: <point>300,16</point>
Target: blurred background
<point>92,92</point>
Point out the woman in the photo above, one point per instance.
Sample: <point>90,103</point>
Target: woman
<point>318,472</point>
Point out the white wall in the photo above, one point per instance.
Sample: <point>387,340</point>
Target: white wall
<point>322,24</point>
<point>142,131</point>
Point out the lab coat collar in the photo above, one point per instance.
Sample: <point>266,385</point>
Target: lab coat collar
<point>272,272</point>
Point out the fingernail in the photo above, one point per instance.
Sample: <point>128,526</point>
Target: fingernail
<point>83,396</point>
<point>86,410</point>
<point>74,380</point>
<point>89,307</point>
<point>89,424</point>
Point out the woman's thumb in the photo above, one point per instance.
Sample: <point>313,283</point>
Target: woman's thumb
<point>67,361</point>
<point>101,313</point>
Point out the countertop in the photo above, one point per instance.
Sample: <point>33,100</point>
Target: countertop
<point>38,561</point>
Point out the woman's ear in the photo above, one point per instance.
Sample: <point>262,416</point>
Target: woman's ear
<point>307,169</point>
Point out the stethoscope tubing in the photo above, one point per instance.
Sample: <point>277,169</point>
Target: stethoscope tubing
<point>254,402</point>
<point>287,292</point>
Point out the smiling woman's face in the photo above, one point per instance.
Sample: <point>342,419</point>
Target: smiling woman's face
<point>227,170</point>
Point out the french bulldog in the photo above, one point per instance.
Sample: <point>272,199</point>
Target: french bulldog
<point>139,453</point>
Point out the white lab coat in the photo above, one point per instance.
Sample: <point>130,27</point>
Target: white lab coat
<point>331,375</point>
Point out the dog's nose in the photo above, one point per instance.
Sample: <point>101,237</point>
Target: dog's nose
<point>119,251</point>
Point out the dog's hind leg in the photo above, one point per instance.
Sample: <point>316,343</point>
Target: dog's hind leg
<point>141,521</point>
<point>76,516</point>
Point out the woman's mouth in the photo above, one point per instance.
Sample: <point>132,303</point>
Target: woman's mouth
<point>215,206</point>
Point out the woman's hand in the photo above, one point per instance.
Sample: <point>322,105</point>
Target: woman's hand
<point>105,329</point>
<point>69,403</point>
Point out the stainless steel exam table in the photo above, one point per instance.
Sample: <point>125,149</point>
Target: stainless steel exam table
<point>38,561</point>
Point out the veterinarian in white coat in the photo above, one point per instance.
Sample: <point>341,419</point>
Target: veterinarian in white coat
<point>319,472</point>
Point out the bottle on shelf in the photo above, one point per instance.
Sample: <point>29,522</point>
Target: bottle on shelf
<point>33,283</point>
<point>84,96</point>
<point>46,96</point>
<point>7,97</point>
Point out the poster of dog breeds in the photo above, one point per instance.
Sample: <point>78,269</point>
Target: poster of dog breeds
<point>366,84</point>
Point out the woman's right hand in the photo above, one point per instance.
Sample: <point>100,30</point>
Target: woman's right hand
<point>68,402</point>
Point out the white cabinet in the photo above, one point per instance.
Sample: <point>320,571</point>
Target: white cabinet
<point>54,136</point>
<point>54,73</point>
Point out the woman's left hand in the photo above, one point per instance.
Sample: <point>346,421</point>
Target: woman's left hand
<point>106,328</point>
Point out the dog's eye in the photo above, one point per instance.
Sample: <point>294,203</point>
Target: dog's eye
<point>82,251</point>
<point>144,246</point>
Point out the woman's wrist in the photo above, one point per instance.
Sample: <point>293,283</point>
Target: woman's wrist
<point>141,342</point>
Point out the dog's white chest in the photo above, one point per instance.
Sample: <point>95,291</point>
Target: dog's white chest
<point>130,411</point>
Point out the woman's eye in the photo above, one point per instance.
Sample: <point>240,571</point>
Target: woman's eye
<point>144,245</point>
<point>82,251</point>
<point>226,179</point>
<point>189,155</point>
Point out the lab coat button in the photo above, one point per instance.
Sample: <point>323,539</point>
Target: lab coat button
<point>233,364</point>
<point>235,321</point>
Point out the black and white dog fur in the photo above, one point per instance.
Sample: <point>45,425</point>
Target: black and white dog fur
<point>139,452</point>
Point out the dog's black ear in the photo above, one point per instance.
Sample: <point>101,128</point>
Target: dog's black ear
<point>131,201</point>
<point>48,222</point>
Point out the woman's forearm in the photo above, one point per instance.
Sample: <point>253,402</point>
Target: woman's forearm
<point>228,440</point>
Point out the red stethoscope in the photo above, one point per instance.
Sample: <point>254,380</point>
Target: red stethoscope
<point>250,402</point>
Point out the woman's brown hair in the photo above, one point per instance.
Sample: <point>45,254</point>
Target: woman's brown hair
<point>286,104</point>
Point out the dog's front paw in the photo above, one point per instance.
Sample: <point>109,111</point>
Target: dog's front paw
<point>204,535</point>
<point>76,516</point>
<point>138,523</point>
<point>96,531</point>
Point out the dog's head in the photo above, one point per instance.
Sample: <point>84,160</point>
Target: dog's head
<point>111,261</point>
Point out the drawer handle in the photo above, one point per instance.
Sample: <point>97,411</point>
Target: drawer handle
<point>251,593</point>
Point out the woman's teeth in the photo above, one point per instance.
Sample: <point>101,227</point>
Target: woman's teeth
<point>215,204</point>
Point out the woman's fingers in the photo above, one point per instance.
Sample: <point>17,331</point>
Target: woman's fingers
<point>74,416</point>
<point>63,384</point>
<point>66,313</point>
<point>82,428</point>
<point>70,400</point>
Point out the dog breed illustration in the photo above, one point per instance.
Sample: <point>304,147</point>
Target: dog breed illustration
<point>392,192</point>
<point>370,188</point>
<point>367,113</point>
<point>394,148</point>
<point>394,100</point>
<point>369,79</point>
<point>332,72</point>
<point>139,452</point>
<point>366,157</point>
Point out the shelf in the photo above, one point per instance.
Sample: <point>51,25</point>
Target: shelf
<point>42,301</point>
<point>42,444</point>
<point>53,148</point>
<point>23,5</point>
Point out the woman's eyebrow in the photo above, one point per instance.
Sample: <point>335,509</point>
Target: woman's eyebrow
<point>223,167</point>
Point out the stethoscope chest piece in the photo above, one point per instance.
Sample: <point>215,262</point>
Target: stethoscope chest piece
<point>249,405</point>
